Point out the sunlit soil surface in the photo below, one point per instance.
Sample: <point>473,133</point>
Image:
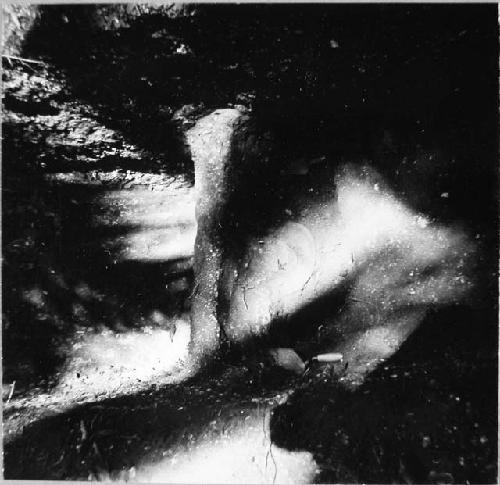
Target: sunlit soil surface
<point>105,365</point>
<point>161,223</point>
<point>240,453</point>
<point>110,363</point>
<point>396,263</point>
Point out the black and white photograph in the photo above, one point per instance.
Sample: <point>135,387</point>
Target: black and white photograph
<point>250,243</point>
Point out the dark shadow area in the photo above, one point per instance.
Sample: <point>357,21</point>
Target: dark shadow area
<point>43,108</point>
<point>305,330</point>
<point>75,154</point>
<point>133,78</point>
<point>379,82</point>
<point>427,415</point>
<point>412,92</point>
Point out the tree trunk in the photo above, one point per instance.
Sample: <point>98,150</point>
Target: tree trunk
<point>210,142</point>
<point>227,154</point>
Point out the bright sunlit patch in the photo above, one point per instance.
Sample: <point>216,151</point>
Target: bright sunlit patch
<point>241,453</point>
<point>158,244</point>
<point>365,232</point>
<point>396,262</point>
<point>35,296</point>
<point>146,208</point>
<point>116,363</point>
<point>159,225</point>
